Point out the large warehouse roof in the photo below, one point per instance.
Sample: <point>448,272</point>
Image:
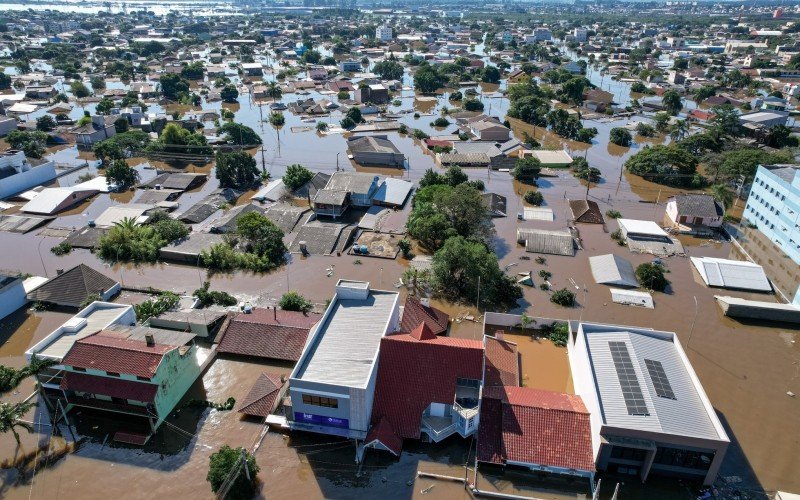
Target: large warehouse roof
<point>732,274</point>
<point>643,381</point>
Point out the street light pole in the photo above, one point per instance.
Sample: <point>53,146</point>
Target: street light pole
<point>691,330</point>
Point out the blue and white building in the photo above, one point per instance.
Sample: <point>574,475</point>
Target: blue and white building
<point>774,207</point>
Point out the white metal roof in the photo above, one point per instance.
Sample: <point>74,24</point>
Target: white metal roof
<point>631,298</point>
<point>538,213</point>
<point>732,274</point>
<point>646,227</point>
<point>344,349</point>
<point>393,191</point>
<point>97,316</point>
<point>688,414</point>
<point>612,269</point>
<point>117,213</point>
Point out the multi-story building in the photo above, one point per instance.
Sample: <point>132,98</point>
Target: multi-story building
<point>581,34</point>
<point>384,33</point>
<point>333,384</point>
<point>19,173</point>
<point>648,411</point>
<point>774,207</point>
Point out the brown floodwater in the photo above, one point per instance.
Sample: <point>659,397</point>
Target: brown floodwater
<point>746,369</point>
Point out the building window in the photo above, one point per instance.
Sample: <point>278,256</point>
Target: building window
<point>320,401</point>
<point>688,459</point>
<point>624,453</point>
<point>112,374</point>
<point>78,369</point>
<point>143,379</point>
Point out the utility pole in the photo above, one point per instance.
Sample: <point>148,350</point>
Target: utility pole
<point>691,330</point>
<point>263,161</point>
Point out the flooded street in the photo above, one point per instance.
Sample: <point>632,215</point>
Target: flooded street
<point>746,369</point>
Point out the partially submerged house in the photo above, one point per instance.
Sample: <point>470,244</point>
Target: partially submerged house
<point>546,241</point>
<point>611,269</point>
<point>416,311</point>
<point>732,274</point>
<point>263,397</point>
<point>688,211</point>
<point>19,173</point>
<point>375,150</point>
<point>268,334</point>
<point>99,129</point>
<point>332,386</point>
<point>426,385</point>
<point>344,189</point>
<point>73,287</point>
<point>586,211</point>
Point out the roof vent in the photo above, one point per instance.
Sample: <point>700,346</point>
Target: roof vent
<point>148,338</point>
<point>59,272</point>
<point>73,325</point>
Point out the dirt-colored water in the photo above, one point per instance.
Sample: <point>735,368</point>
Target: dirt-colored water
<point>746,369</point>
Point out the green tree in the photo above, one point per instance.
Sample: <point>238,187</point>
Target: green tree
<point>441,211</point>
<point>427,80</point>
<point>293,301</point>
<point>388,70</point>
<point>669,165</point>
<point>193,71</point>
<point>262,237</point>
<point>651,275</point>
<point>98,83</point>
<point>274,90</point>
<point>723,194</point>
<point>460,265</point>
<point>563,297</point>
<point>228,463</point>
<point>704,93</point>
<point>11,415</point>
<point>236,169</point>
<point>32,143</point>
<point>661,121</point>
<point>527,169</point>
<point>620,136</point>
<point>236,133</point>
<point>5,81</point>
<point>455,176</point>
<point>725,122</point>
<point>121,174</point>
<point>173,86</point>
<point>472,105</point>
<point>229,94</point>
<point>672,101</point>
<point>45,123</point>
<point>79,89</point>
<point>491,75</point>
<point>645,129</point>
<point>535,198</point>
<point>297,176</point>
<point>679,130</point>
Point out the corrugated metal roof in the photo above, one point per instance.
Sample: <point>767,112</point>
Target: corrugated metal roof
<point>685,415</point>
<point>732,274</point>
<point>631,298</point>
<point>538,213</point>
<point>612,269</point>
<point>549,242</point>
<point>344,351</point>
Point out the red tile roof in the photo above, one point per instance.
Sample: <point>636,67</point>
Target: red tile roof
<point>535,427</point>
<point>413,373</point>
<point>502,363</point>
<point>415,313</point>
<point>110,353</point>
<point>383,432</point>
<point>266,333</point>
<point>260,401</point>
<point>109,386</point>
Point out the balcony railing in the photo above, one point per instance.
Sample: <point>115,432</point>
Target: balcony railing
<point>439,428</point>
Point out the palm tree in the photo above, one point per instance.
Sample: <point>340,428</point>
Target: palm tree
<point>722,193</point>
<point>11,415</point>
<point>679,130</point>
<point>127,224</point>
<point>274,91</point>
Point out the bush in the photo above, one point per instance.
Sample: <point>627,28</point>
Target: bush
<point>405,246</point>
<point>527,170</point>
<point>440,122</point>
<point>151,308</point>
<point>545,275</point>
<point>563,297</point>
<point>558,333</point>
<point>62,248</point>
<point>419,134</point>
<point>227,462</point>
<point>209,298</point>
<point>614,214</point>
<point>535,198</point>
<point>296,176</point>
<point>645,130</point>
<point>220,257</point>
<point>473,105</point>
<point>620,136</point>
<point>293,301</point>
<point>651,275</point>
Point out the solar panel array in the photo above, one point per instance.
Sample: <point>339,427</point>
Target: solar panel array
<point>631,391</point>
<point>659,378</point>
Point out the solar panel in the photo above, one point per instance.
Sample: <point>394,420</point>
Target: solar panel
<point>631,391</point>
<point>659,378</point>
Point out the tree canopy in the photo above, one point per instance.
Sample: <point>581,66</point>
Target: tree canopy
<point>236,169</point>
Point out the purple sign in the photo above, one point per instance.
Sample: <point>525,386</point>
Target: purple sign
<point>310,418</point>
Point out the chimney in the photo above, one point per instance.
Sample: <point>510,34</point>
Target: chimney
<point>425,301</point>
<point>275,313</point>
<point>59,272</point>
<point>498,334</point>
<point>149,340</point>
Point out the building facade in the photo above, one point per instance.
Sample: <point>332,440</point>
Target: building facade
<point>18,173</point>
<point>774,207</point>
<point>333,384</point>
<point>384,33</point>
<point>648,411</point>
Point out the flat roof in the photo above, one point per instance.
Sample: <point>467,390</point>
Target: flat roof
<point>732,274</point>
<point>344,348</point>
<point>97,316</point>
<point>646,227</point>
<point>643,381</point>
